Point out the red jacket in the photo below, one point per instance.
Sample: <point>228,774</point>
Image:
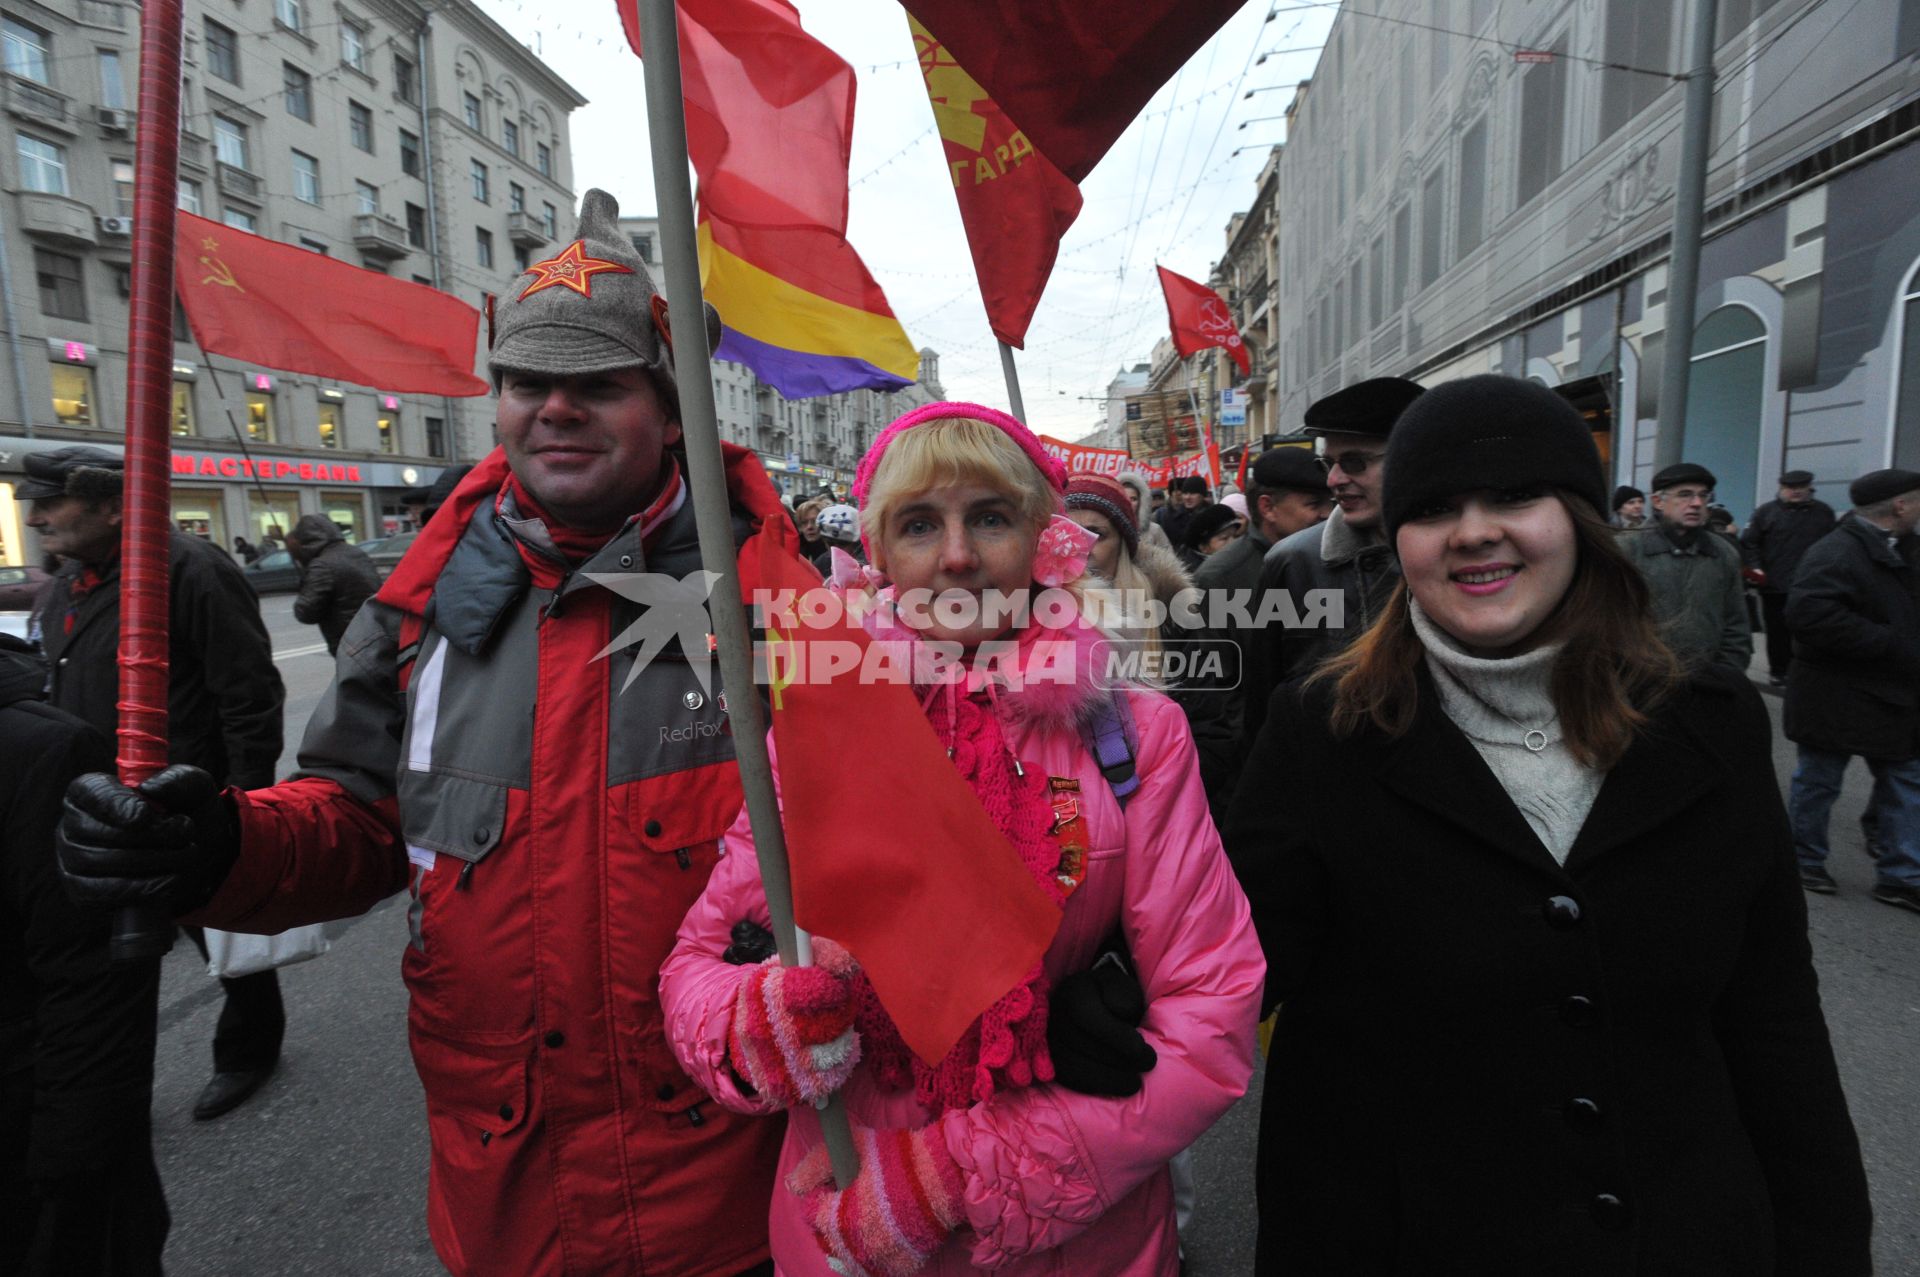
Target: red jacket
<point>559,820</point>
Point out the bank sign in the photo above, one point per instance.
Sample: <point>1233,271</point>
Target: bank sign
<point>202,465</point>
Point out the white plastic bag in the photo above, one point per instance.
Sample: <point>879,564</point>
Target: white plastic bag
<point>232,953</point>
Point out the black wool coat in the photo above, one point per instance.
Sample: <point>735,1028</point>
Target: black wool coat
<point>1489,1064</point>
<point>1779,535</point>
<point>1854,686</point>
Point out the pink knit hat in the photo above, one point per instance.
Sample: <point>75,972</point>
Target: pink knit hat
<point>1050,470</point>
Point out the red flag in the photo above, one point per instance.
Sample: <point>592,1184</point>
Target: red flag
<point>1072,77</point>
<point>278,306</point>
<point>894,858</point>
<point>1016,205</point>
<point>1240,476</point>
<point>1200,319</point>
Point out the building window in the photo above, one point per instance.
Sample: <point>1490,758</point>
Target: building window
<point>122,171</point>
<point>1402,253</point>
<point>332,435</point>
<point>479,172</point>
<point>1377,281</point>
<point>313,245</point>
<point>471,105</point>
<point>291,13</point>
<point>409,154</point>
<point>1470,226</point>
<point>239,219</point>
<point>113,89</point>
<point>436,436</point>
<point>73,395</point>
<point>483,246</point>
<point>510,137</point>
<point>522,261</point>
<point>1433,220</point>
<point>1637,35</point>
<point>353,45</point>
<point>550,220</point>
<point>230,142</point>
<point>1906,394</point>
<point>403,87</point>
<point>190,196</point>
<point>26,51</point>
<point>63,293</point>
<point>643,245</point>
<point>416,226</point>
<point>389,425</point>
<point>223,52</point>
<point>1543,120</point>
<point>516,198</point>
<point>1726,399</point>
<point>543,158</point>
<point>184,421</point>
<point>43,165</point>
<point>260,416</point>
<point>360,126</point>
<point>306,178</point>
<point>366,197</point>
<point>299,92</point>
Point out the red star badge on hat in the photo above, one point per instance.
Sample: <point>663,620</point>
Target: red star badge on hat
<point>571,269</point>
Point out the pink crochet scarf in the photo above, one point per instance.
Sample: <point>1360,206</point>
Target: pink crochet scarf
<point>1007,1045</point>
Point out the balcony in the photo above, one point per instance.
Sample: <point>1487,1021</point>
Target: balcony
<point>33,101</point>
<point>380,237</point>
<point>526,230</point>
<point>57,217</point>
<point>104,13</point>
<point>236,181</point>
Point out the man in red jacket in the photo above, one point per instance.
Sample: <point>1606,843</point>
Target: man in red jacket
<point>515,736</point>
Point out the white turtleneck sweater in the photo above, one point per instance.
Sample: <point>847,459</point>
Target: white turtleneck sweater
<point>1498,704</point>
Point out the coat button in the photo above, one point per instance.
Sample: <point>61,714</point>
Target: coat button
<point>1577,1011</point>
<point>481,835</point>
<point>1561,912</point>
<point>556,1039</point>
<point>1583,1114</point>
<point>1608,1211</point>
<point>626,560</point>
<point>665,1092</point>
<point>506,1112</point>
<point>651,829</point>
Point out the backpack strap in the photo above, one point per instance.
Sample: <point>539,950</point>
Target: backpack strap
<point>1110,737</point>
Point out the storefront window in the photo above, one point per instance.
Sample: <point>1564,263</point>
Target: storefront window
<point>259,416</point>
<point>331,434</point>
<point>73,402</point>
<point>389,429</point>
<point>347,511</point>
<point>12,542</point>
<point>183,420</point>
<point>274,515</point>
<point>198,513</point>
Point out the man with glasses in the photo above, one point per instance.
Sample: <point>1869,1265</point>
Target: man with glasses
<point>1348,553</point>
<point>1693,574</point>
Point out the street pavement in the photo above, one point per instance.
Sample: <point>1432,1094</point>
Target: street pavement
<point>324,1171</point>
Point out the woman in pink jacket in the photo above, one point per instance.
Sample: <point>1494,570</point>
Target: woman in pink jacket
<point>981,1161</point>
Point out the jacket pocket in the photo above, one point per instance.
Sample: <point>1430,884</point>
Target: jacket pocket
<point>481,1087</point>
<point>453,815</point>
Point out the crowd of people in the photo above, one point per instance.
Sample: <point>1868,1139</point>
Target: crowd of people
<point>1496,840</point>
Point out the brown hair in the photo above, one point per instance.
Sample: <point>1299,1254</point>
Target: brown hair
<point>1612,669</point>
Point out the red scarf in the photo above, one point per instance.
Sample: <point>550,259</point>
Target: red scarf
<point>577,545</point>
<point>86,583</point>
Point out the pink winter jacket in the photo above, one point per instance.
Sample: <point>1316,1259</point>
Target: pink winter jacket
<point>1056,1182</point>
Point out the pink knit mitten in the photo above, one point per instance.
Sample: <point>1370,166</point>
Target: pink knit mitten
<point>899,1210</point>
<point>792,1037</point>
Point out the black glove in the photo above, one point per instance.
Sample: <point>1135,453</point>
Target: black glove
<point>1093,1030</point>
<point>169,843</point>
<point>752,944</point>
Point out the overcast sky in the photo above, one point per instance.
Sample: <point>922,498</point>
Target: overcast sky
<point>1163,194</point>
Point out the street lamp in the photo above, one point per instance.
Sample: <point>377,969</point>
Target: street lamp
<point>1257,119</point>
<point>1254,146</point>
<point>1274,53</point>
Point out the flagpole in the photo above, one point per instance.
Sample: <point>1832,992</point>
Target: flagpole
<point>706,480</point>
<point>1014,401</point>
<point>143,932</point>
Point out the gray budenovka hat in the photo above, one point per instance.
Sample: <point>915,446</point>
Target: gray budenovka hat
<point>586,309</point>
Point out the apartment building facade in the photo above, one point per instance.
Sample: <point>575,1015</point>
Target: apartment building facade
<point>418,140</point>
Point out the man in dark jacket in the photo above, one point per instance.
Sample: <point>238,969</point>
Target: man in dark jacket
<point>79,1195</point>
<point>1347,554</point>
<point>224,697</point>
<point>339,577</point>
<point>1854,685</point>
<point>1780,532</point>
<point>1185,496</point>
<point>1694,576</point>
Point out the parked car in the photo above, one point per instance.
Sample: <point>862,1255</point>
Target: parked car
<point>15,623</point>
<point>19,587</point>
<point>273,573</point>
<point>387,551</point>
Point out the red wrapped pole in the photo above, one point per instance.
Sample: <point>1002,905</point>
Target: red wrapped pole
<point>147,510</point>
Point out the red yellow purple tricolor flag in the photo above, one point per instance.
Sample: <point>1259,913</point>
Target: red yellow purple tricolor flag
<point>769,131</point>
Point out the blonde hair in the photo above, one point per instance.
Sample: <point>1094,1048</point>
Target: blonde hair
<point>810,508</point>
<point>948,452</point>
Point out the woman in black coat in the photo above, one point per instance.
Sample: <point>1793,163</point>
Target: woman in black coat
<point>1531,914</point>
